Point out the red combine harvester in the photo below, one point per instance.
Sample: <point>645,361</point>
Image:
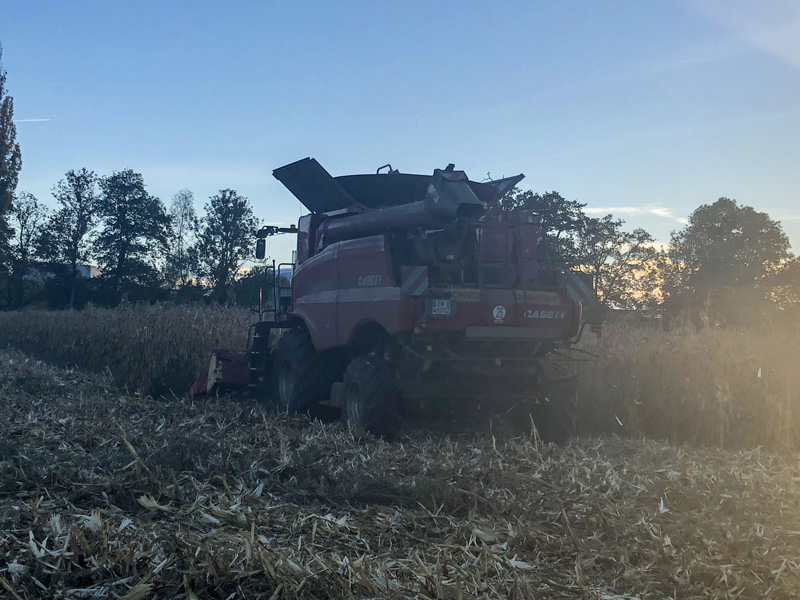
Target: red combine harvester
<point>407,291</point>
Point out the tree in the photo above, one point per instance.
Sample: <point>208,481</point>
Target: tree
<point>561,217</point>
<point>27,218</point>
<point>10,159</point>
<point>134,232</point>
<point>67,240</point>
<point>621,263</point>
<point>226,234</point>
<point>724,254</point>
<point>181,262</point>
<point>783,284</point>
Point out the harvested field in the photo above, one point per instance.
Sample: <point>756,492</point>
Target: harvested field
<point>733,388</point>
<point>109,495</point>
<point>149,349</point>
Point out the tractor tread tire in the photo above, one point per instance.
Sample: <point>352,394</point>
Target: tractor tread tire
<point>308,371</point>
<point>371,397</point>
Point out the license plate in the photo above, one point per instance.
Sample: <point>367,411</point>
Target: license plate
<point>440,307</point>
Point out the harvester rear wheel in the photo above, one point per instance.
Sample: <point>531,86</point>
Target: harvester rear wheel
<point>302,376</point>
<point>371,398</point>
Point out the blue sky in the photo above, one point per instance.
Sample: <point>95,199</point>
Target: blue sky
<point>642,109</point>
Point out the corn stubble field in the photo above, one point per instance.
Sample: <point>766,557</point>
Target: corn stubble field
<point>108,492</point>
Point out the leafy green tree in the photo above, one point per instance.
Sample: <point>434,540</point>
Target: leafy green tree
<point>783,284</point>
<point>10,159</point>
<point>724,255</point>
<point>225,241</point>
<point>28,216</point>
<point>134,233</point>
<point>561,217</point>
<point>621,263</point>
<point>248,280</point>
<point>67,239</point>
<point>181,262</point>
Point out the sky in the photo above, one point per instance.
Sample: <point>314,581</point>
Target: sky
<point>642,109</point>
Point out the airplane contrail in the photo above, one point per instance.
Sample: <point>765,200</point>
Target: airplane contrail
<point>30,120</point>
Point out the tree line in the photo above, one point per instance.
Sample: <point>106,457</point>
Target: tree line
<point>729,260</point>
<point>730,263</point>
<point>112,227</point>
<point>143,250</point>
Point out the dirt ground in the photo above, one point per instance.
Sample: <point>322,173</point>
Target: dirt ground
<point>104,494</point>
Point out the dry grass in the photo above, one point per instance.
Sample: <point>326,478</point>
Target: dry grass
<point>724,387</point>
<point>107,495</point>
<point>150,349</point>
<point>727,387</point>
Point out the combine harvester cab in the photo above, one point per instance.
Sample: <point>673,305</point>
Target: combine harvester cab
<point>409,291</point>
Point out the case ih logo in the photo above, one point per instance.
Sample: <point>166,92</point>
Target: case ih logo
<point>544,314</point>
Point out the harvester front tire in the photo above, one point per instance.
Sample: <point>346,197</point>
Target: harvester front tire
<point>300,372</point>
<point>371,398</point>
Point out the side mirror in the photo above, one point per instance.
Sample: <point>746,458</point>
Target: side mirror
<point>261,248</point>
